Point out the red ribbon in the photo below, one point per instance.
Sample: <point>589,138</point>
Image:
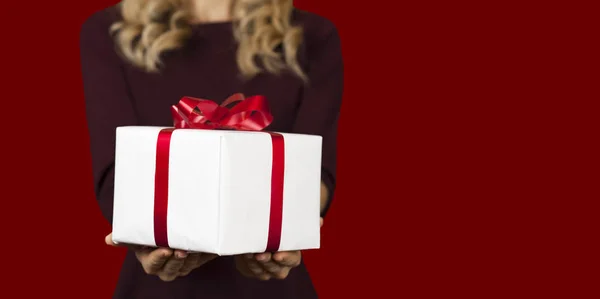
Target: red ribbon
<point>249,114</point>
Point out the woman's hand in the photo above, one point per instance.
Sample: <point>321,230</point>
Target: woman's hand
<point>265,266</point>
<point>165,263</point>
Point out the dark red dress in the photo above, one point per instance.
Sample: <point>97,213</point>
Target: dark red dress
<point>118,94</point>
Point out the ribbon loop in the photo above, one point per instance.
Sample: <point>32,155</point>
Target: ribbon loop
<point>250,114</point>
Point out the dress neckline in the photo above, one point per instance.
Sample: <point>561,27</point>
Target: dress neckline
<point>224,28</point>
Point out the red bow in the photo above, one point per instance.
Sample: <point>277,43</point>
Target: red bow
<point>249,114</point>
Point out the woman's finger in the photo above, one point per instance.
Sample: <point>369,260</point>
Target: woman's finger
<point>153,261</point>
<point>242,267</point>
<point>255,267</point>
<point>180,254</point>
<point>191,262</point>
<point>267,263</point>
<point>109,241</point>
<point>283,273</point>
<point>288,258</point>
<point>171,268</point>
<point>249,267</point>
<point>241,264</point>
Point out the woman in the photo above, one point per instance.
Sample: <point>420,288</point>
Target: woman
<point>140,57</point>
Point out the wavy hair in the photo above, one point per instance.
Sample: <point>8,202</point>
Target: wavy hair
<point>148,28</point>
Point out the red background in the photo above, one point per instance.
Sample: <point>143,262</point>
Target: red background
<point>462,161</point>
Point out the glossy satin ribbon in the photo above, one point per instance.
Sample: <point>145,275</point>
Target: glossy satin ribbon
<point>249,114</point>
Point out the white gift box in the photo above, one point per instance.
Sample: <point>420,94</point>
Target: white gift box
<point>219,190</point>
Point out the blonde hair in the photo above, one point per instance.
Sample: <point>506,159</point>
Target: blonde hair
<point>150,27</point>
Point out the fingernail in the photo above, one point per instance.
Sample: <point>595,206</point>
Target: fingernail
<point>181,255</point>
<point>261,257</point>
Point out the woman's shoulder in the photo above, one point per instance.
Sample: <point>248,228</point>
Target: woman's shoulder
<point>315,26</point>
<point>99,22</point>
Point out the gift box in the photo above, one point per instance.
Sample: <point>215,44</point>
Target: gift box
<point>217,183</point>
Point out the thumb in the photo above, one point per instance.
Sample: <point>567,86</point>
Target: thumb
<point>321,221</point>
<point>108,240</point>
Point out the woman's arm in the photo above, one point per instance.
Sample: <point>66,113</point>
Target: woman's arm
<point>319,111</point>
<point>107,103</point>
<point>324,197</point>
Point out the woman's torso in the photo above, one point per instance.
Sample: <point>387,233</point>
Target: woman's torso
<point>206,68</point>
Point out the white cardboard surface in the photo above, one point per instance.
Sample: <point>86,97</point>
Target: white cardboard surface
<point>219,190</point>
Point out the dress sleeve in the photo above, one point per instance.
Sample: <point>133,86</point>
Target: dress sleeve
<point>107,104</point>
<point>319,109</point>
